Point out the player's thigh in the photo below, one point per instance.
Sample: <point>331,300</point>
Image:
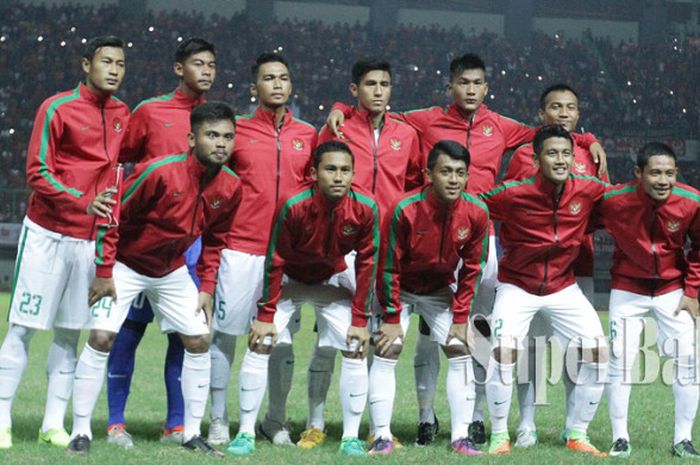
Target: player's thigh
<point>376,319</point>
<point>513,311</point>
<point>174,298</point>
<point>436,310</point>
<point>334,320</point>
<point>73,311</point>
<point>238,290</point>
<point>108,315</point>
<point>574,320</point>
<point>626,321</point>
<point>676,333</point>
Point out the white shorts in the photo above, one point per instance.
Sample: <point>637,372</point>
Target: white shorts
<point>573,318</point>
<point>486,293</point>
<point>173,297</point>
<point>627,313</point>
<point>435,308</point>
<point>330,299</point>
<point>540,324</point>
<point>52,275</point>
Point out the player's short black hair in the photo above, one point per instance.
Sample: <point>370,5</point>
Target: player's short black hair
<point>190,46</point>
<point>331,146</point>
<point>465,62</point>
<point>98,42</point>
<point>654,148</point>
<point>452,149</point>
<point>362,67</point>
<point>211,112</point>
<point>555,88</point>
<point>266,58</point>
<point>548,132</point>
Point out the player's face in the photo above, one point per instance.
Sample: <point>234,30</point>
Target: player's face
<point>469,89</point>
<point>373,92</point>
<point>555,159</point>
<point>658,176</point>
<point>198,72</point>
<point>561,107</point>
<point>104,74</point>
<point>273,85</point>
<point>334,175</point>
<point>448,178</point>
<point>213,142</point>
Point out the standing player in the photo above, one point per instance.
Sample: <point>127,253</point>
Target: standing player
<point>387,164</point>
<point>74,146</point>
<point>158,127</point>
<point>558,105</point>
<point>425,236</point>
<point>272,156</point>
<point>651,220</point>
<point>487,135</point>
<point>313,232</point>
<point>543,223</point>
<point>166,205</point>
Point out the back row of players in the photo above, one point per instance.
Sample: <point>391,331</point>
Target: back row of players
<point>298,222</point>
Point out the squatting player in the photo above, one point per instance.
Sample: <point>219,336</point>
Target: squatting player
<point>166,205</point>
<point>312,233</point>
<point>72,152</point>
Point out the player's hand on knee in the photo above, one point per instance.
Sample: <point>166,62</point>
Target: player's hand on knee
<point>103,202</point>
<point>205,303</point>
<point>101,288</point>
<point>262,337</point>
<point>358,340</point>
<point>335,123</point>
<point>387,335</point>
<point>457,331</point>
<point>690,305</point>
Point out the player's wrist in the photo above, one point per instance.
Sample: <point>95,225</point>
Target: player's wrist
<point>103,271</point>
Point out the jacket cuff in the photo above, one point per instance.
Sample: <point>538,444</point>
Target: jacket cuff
<point>359,318</point>
<point>392,318</point>
<point>266,316</point>
<point>460,318</point>
<point>207,286</point>
<point>105,271</point>
<point>691,292</point>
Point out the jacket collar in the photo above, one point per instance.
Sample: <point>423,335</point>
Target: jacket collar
<point>195,169</point>
<point>92,96</point>
<point>271,118</point>
<point>180,97</point>
<point>322,202</point>
<point>548,187</point>
<point>367,116</point>
<point>454,111</point>
<point>436,204</point>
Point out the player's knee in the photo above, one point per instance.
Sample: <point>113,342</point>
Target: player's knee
<point>596,355</point>
<point>455,350</point>
<point>353,355</point>
<point>505,355</point>
<point>196,344</point>
<point>393,352</point>
<point>101,341</point>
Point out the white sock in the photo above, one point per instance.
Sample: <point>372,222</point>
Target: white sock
<point>480,381</point>
<point>353,394</point>
<point>618,392</point>
<point>14,355</point>
<point>279,372</point>
<point>587,394</point>
<point>87,384</point>
<point>526,393</point>
<point>499,392</point>
<point>685,393</point>
<point>196,373</point>
<point>461,394</point>
<point>251,389</point>
<point>222,351</point>
<point>60,369</point>
<point>319,380</point>
<point>569,385</point>
<point>382,390</point>
<point>426,366</point>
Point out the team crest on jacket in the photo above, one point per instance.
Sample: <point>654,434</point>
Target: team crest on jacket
<point>579,167</point>
<point>349,230</point>
<point>575,208</point>
<point>487,130</point>
<point>298,144</point>
<point>117,124</point>
<point>673,225</point>
<point>395,144</point>
<point>216,204</point>
<point>462,233</point>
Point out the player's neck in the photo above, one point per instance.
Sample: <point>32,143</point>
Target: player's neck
<point>103,95</point>
<point>279,112</point>
<point>194,95</point>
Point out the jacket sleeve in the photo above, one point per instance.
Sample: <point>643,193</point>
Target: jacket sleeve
<point>474,254</point>
<point>585,140</point>
<point>140,190</point>
<point>521,165</point>
<point>41,159</point>
<point>392,250</point>
<point>515,132</point>
<point>278,246</point>
<point>692,277</point>
<point>366,262</point>
<point>414,169</point>
<point>497,202</point>
<point>134,142</point>
<point>213,242</point>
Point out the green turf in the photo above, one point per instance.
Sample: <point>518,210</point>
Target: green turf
<point>651,418</point>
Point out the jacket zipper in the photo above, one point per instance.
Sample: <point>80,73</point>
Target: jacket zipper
<point>196,206</point>
<point>374,154</point>
<point>329,235</point>
<point>469,128</point>
<point>442,236</point>
<point>545,278</point>
<point>278,132</point>
<point>654,251</point>
<point>104,145</point>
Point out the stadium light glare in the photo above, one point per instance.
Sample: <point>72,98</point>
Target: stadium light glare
<point>321,107</point>
<point>629,83</point>
<point>72,29</point>
<point>634,100</point>
<point>279,49</point>
<point>11,131</point>
<point>388,108</point>
<point>438,72</point>
<point>63,43</point>
<point>670,92</point>
<point>415,68</point>
<point>539,78</point>
<point>527,75</point>
<point>230,85</point>
<point>492,97</point>
<point>3,38</point>
<point>40,39</point>
<point>83,40</point>
<point>179,38</point>
<point>503,72</point>
<point>685,111</point>
<point>130,44</point>
<point>252,100</point>
<point>151,29</point>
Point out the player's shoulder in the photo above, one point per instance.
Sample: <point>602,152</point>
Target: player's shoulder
<point>298,197</point>
<point>303,126</point>
<point>687,192</point>
<point>153,103</point>
<point>474,204</point>
<point>524,150</point>
<point>510,186</point>
<point>61,99</point>
<point>409,200</point>
<point>362,197</point>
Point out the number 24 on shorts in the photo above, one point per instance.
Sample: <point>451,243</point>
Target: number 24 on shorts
<point>103,306</point>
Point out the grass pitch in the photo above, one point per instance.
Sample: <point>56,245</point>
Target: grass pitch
<point>651,417</point>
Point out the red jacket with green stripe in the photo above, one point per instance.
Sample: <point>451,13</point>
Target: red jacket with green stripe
<point>387,167</point>
<point>158,126</point>
<point>649,257</point>
<point>273,162</point>
<point>309,239</point>
<point>487,135</point>
<point>423,241</point>
<point>541,232</point>
<point>73,148</point>
<point>166,205</point>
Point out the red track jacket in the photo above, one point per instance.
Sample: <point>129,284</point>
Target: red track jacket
<point>272,164</point>
<point>386,168</point>
<point>166,205</point>
<point>423,240</point>
<point>649,258</point>
<point>73,148</point>
<point>540,234</point>
<point>309,240</point>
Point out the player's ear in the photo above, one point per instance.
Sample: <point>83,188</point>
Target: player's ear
<point>253,89</point>
<point>540,114</point>
<point>637,172</point>
<point>353,89</point>
<point>85,63</point>
<point>313,173</point>
<point>190,139</point>
<point>535,160</point>
<point>179,69</point>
